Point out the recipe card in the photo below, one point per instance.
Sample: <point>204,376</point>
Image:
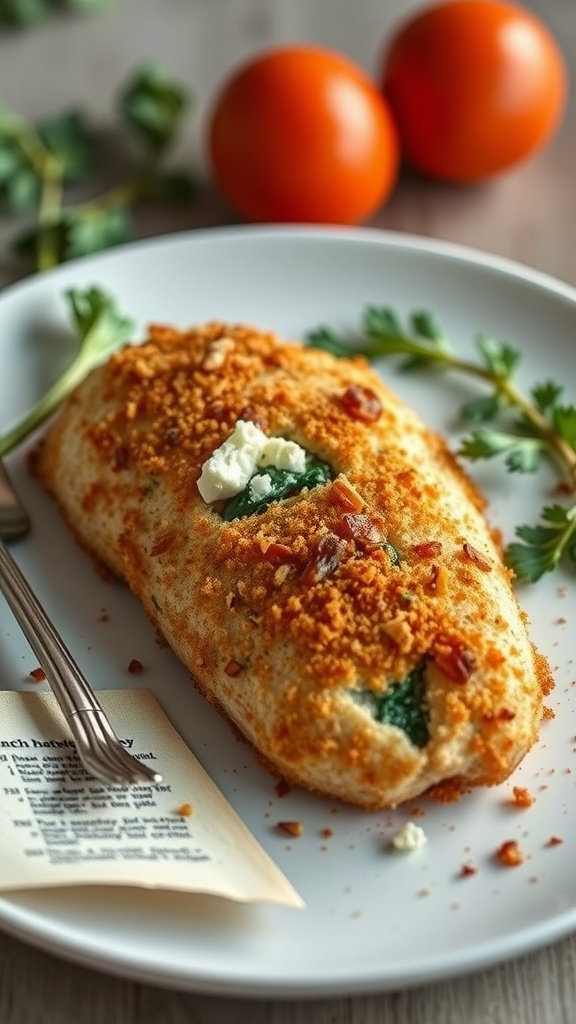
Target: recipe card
<point>59,826</point>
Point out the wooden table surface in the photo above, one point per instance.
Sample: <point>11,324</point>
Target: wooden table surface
<point>528,215</point>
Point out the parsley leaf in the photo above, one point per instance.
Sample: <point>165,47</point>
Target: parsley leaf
<point>38,161</point>
<point>564,422</point>
<point>67,137</point>
<point>480,410</point>
<point>500,359</point>
<point>329,341</point>
<point>546,396</point>
<point>543,545</point>
<point>153,105</point>
<point>422,342</point>
<point>26,12</point>
<point>523,454</point>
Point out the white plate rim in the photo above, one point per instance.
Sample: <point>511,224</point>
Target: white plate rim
<point>16,922</point>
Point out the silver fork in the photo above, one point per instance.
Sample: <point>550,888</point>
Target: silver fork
<point>97,745</point>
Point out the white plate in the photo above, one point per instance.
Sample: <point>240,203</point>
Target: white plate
<point>374,920</point>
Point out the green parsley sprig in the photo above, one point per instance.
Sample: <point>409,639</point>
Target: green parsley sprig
<point>27,12</point>
<point>520,428</point>
<point>38,162</point>
<point>100,329</point>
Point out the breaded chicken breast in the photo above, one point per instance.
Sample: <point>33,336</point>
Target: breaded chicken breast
<point>312,553</point>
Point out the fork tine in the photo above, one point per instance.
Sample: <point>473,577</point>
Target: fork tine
<point>97,753</point>
<point>106,748</point>
<point>98,746</point>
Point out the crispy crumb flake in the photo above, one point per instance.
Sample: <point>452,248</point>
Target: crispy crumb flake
<point>232,668</point>
<point>290,828</point>
<point>468,870</point>
<point>510,854</point>
<point>185,810</point>
<point>522,797</point>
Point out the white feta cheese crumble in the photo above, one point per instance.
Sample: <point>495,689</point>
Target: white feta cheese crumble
<point>410,837</point>
<point>231,467</point>
<point>260,485</point>
<point>283,454</point>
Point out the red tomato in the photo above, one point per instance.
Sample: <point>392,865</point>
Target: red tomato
<point>302,134</point>
<point>475,86</point>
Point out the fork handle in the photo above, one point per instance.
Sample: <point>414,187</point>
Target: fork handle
<point>65,678</point>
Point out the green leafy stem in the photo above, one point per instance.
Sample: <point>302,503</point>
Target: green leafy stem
<point>507,423</point>
<point>100,329</point>
<point>38,162</point>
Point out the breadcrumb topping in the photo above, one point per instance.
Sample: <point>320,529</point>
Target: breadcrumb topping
<point>362,579</point>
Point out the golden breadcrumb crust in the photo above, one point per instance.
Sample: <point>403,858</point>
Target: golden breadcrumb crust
<point>285,617</point>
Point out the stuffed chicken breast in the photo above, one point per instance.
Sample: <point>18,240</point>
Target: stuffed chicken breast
<point>313,554</point>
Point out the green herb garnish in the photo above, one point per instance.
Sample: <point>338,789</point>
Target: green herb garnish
<point>27,12</point>
<point>101,329</point>
<point>37,162</point>
<point>525,428</point>
<point>285,482</point>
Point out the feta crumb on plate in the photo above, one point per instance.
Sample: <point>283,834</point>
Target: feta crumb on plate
<point>410,837</point>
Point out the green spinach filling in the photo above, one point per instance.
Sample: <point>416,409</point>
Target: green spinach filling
<point>404,706</point>
<point>285,482</point>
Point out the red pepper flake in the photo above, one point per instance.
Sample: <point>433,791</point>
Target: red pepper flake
<point>345,495</point>
<point>164,542</point>
<point>362,529</point>
<point>504,715</point>
<point>325,557</point>
<point>279,554</point>
<point>458,663</point>
<point>291,828</point>
<point>361,404</point>
<point>510,854</point>
<point>477,557</point>
<point>256,416</point>
<point>282,788</point>
<point>233,668</point>
<point>555,841</point>
<point>468,870</point>
<point>430,549</point>
<point>120,458</point>
<point>217,411</point>
<point>135,667</point>
<point>38,675</point>
<point>522,797</point>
